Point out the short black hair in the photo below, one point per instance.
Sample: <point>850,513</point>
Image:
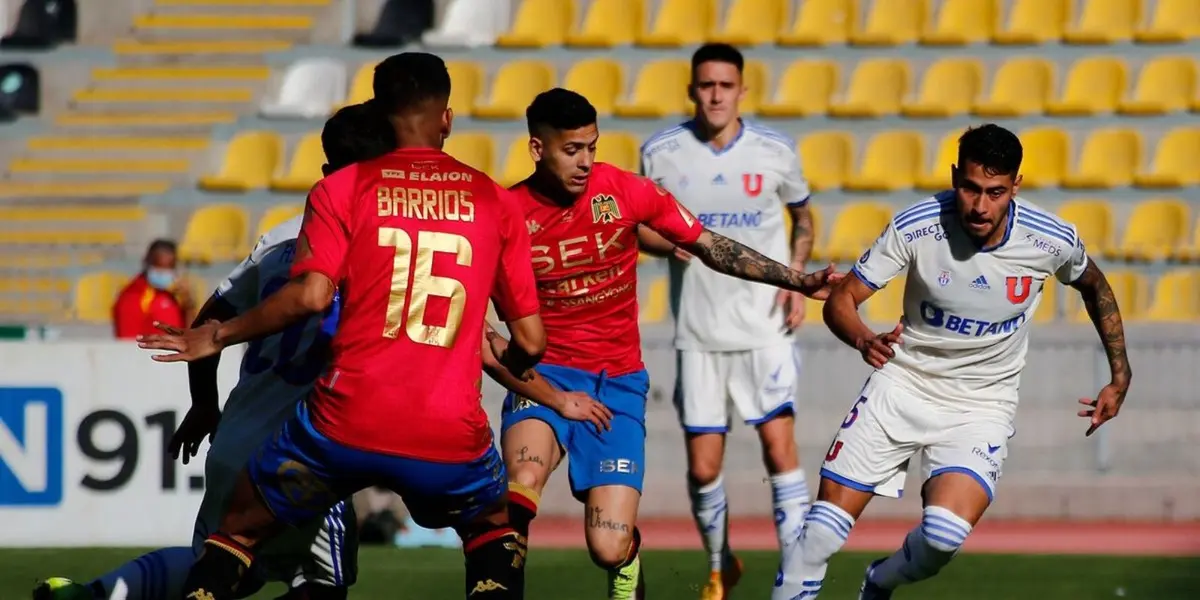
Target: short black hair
<point>717,53</point>
<point>356,133</point>
<point>992,147</point>
<point>559,109</point>
<point>160,245</point>
<point>407,81</point>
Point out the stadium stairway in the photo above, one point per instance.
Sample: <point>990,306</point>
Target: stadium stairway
<point>143,124</point>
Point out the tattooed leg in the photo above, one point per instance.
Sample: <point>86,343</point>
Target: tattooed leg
<point>610,515</point>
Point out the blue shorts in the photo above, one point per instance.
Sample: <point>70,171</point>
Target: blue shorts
<point>300,474</point>
<point>614,457</point>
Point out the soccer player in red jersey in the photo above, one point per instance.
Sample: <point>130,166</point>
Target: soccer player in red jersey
<point>582,218</point>
<point>415,242</point>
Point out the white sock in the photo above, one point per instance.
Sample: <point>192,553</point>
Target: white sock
<point>790,494</point>
<point>927,548</point>
<point>153,576</point>
<point>712,519</point>
<point>803,564</point>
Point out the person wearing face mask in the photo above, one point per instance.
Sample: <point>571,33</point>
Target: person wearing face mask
<point>152,296</point>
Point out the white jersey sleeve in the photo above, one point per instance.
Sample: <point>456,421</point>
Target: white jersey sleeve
<point>1077,261</point>
<point>241,288</point>
<point>793,187</point>
<point>884,260</point>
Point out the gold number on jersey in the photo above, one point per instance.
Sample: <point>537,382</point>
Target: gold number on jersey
<point>424,285</point>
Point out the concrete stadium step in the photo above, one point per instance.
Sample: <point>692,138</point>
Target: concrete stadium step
<point>158,120</point>
<point>164,95</point>
<point>234,7</point>
<point>173,74</point>
<point>116,144</point>
<point>175,51</point>
<point>49,260</point>
<point>55,237</point>
<point>197,25</point>
<point>100,166</point>
<point>275,4</point>
<point>90,189</point>
<point>40,212</point>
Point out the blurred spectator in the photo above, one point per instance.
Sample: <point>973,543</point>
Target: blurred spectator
<point>156,294</point>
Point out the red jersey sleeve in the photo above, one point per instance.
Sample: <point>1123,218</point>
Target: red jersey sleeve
<point>662,213</point>
<point>324,237</point>
<point>514,292</point>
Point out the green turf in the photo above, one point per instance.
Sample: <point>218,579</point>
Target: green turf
<point>568,575</point>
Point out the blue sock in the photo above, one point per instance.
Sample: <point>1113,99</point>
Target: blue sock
<point>153,576</point>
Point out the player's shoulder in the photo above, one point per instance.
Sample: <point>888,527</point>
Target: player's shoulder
<point>666,141</point>
<point>921,214</point>
<point>1029,218</point>
<point>768,138</point>
<point>287,230</point>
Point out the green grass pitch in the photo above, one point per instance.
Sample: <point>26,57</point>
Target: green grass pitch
<point>568,575</point>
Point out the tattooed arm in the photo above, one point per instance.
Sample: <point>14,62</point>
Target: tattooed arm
<point>802,235</point>
<point>1102,309</point>
<point>726,256</point>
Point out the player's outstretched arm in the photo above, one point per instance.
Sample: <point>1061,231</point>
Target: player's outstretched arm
<point>841,316</point>
<point>732,258</point>
<point>576,406</point>
<point>205,413</point>
<point>1102,309</point>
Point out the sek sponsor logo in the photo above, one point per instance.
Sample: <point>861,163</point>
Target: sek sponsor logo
<point>618,465</point>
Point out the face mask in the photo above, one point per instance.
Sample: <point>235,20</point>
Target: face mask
<point>161,279</point>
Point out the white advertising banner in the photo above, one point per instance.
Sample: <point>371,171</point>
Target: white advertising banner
<point>83,435</point>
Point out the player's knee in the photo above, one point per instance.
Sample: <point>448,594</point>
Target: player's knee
<point>610,551</point>
<point>703,470</point>
<point>826,528</point>
<point>943,531</point>
<point>530,477</point>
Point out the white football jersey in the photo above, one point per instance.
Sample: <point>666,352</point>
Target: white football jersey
<point>739,192</point>
<point>967,310</point>
<point>279,370</point>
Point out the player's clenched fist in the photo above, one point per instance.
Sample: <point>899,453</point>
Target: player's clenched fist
<point>188,344</point>
<point>578,406</point>
<point>877,350</point>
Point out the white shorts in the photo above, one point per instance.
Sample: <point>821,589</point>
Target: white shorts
<point>761,383</point>
<point>888,424</point>
<point>324,552</point>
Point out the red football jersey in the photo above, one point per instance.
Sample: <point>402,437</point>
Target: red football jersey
<point>585,260</point>
<point>417,242</point>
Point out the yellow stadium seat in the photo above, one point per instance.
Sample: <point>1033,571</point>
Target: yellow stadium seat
<point>756,81</point>
<point>855,229</point>
<point>601,80</point>
<point>517,163</point>
<point>1189,251</point>
<point>93,190</point>
<point>215,233</point>
<point>1046,157</point>
<point>1176,297</point>
<point>276,216</point>
<point>362,85</point>
<point>620,149</point>
<point>1021,87</point>
<point>814,312</point>
<point>1094,86</point>
<point>164,95</point>
<point>305,168</point>
<point>513,87</point>
<point>71,212</point>
<point>609,23</point>
<point>804,90</point>
<point>466,85</point>
<point>1109,158</point>
<point>67,166</point>
<point>1047,309</point>
<point>657,303</point>
<point>210,47</point>
<point>828,157</point>
<point>230,21</point>
<point>937,176</point>
<point>876,89</point>
<point>660,91</point>
<point>820,23</point>
<point>250,161</point>
<point>1174,22</point>
<point>34,285</point>
<point>749,22</point>
<point>1164,85</point>
<point>1129,289</point>
<point>891,23</point>
<point>892,161</point>
<point>886,305</point>
<point>1105,22</point>
<point>123,143</point>
<point>50,260</point>
<point>95,294</point>
<point>680,23</point>
<point>1032,22</point>
<point>962,22</point>
<point>1093,220</point>
<point>475,149</point>
<point>1155,230</point>
<point>1175,164</point>
<point>539,23</point>
<point>949,88</point>
<point>62,237</point>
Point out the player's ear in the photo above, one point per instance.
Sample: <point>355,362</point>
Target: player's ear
<point>447,121</point>
<point>1016,186</point>
<point>954,176</point>
<point>326,170</point>
<point>536,148</point>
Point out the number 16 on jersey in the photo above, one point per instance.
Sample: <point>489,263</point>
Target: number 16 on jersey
<point>424,285</point>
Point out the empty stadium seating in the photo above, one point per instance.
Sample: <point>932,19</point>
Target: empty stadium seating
<point>469,24</point>
<point>311,88</point>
